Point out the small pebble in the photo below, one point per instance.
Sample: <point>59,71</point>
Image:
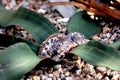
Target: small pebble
<point>111,42</point>
<point>57,66</point>
<point>103,23</point>
<point>106,78</point>
<point>68,78</point>
<point>116,77</point>
<point>63,20</point>
<point>58,79</point>
<point>42,11</point>
<point>78,72</point>
<point>43,77</point>
<point>101,69</point>
<point>98,76</point>
<point>48,79</point>
<point>36,78</point>
<point>62,76</point>
<point>108,35</point>
<point>67,73</point>
<point>50,75</point>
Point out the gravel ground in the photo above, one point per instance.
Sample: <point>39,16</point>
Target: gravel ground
<point>71,67</point>
<point>108,35</point>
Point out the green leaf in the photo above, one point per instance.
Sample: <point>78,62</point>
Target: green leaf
<point>116,44</point>
<point>40,27</point>
<point>34,46</point>
<point>7,40</point>
<point>16,60</point>
<point>99,54</point>
<point>78,24</point>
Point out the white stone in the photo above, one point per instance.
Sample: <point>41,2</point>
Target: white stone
<point>58,79</point>
<point>43,77</point>
<point>7,7</point>
<point>115,77</point>
<point>118,31</point>
<point>92,17</point>
<point>68,78</point>
<point>111,42</point>
<point>106,78</point>
<point>1,31</point>
<point>50,75</point>
<point>63,20</point>
<point>103,23</point>
<point>108,72</point>
<point>101,69</point>
<point>62,76</point>
<point>67,73</point>
<point>57,66</point>
<point>78,72</point>
<point>43,11</point>
<point>99,76</point>
<point>48,79</point>
<point>108,35</point>
<point>102,40</point>
<point>90,13</point>
<point>25,3</point>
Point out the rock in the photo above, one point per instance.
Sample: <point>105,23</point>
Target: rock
<point>67,73</point>
<point>50,75</point>
<point>101,69</point>
<point>68,78</point>
<point>65,10</point>
<point>98,76</point>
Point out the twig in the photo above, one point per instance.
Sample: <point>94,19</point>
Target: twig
<point>87,8</point>
<point>95,7</point>
<point>102,8</point>
<point>79,5</point>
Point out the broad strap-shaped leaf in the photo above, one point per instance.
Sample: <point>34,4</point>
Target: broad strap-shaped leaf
<point>16,60</point>
<point>37,25</point>
<point>99,54</point>
<point>116,44</point>
<point>7,40</point>
<point>78,24</point>
<point>34,46</point>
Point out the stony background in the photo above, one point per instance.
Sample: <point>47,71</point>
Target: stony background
<point>71,67</point>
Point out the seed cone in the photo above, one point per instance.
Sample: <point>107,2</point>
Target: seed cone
<point>59,44</point>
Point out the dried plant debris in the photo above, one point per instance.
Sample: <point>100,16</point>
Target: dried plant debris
<point>58,45</point>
